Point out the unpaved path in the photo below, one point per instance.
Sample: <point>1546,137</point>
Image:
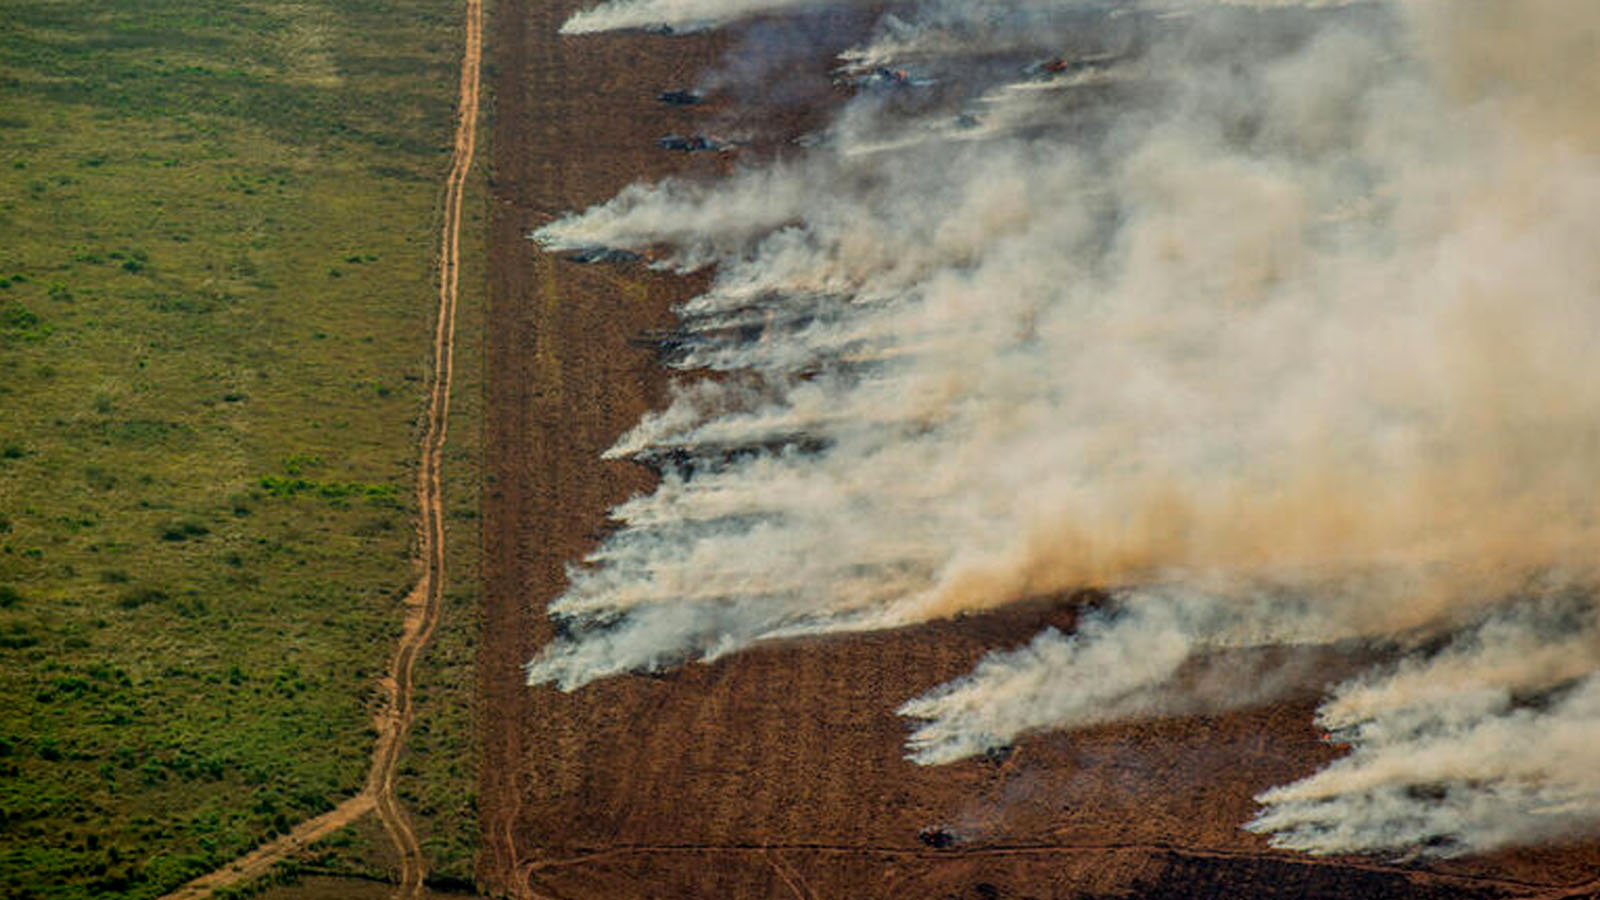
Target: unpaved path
<point>259,861</point>
<point>423,603</point>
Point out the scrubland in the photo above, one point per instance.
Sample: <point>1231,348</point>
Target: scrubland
<point>216,301</point>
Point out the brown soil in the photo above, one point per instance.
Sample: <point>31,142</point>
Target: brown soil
<point>778,772</point>
<point>325,887</point>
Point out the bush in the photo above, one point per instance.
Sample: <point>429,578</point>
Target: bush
<point>141,596</point>
<point>182,531</point>
<point>99,478</point>
<point>9,597</point>
<point>20,323</point>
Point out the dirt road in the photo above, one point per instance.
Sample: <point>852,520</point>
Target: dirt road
<point>260,861</point>
<point>422,604</point>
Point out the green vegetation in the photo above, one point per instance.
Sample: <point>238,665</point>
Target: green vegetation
<point>216,300</point>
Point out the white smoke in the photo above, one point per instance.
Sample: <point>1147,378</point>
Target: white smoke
<point>673,15</point>
<point>1278,319</point>
<point>1491,742</point>
<point>1124,663</point>
<point>695,15</point>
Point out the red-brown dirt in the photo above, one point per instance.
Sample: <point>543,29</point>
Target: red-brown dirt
<point>779,772</point>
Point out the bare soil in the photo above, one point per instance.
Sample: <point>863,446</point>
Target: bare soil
<point>323,887</point>
<point>778,772</point>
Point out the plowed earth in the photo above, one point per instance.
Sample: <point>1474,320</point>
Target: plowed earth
<point>778,772</point>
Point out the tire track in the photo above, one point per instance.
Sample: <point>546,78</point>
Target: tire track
<point>425,600</point>
<point>260,861</point>
<point>423,603</point>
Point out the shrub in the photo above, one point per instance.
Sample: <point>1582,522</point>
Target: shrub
<point>141,596</point>
<point>182,531</point>
<point>20,323</point>
<point>99,478</point>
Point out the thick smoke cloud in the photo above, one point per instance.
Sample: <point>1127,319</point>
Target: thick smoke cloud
<point>1155,652</point>
<point>1276,319</point>
<point>674,15</point>
<point>1490,742</point>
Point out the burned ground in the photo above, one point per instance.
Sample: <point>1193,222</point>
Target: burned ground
<point>779,772</point>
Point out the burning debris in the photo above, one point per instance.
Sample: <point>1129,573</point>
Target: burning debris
<point>592,255</point>
<point>667,29</point>
<point>997,756</point>
<point>695,143</point>
<point>1343,739</point>
<point>681,98</point>
<point>1063,67</point>
<point>937,836</point>
<point>885,78</point>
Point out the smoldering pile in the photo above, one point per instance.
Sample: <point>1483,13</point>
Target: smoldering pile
<point>1277,322</point>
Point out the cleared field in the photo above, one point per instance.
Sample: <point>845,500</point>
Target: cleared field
<point>779,772</point>
<point>215,321</point>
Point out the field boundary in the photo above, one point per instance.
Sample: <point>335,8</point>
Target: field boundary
<point>1520,889</point>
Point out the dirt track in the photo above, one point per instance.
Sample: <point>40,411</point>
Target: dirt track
<point>260,861</point>
<point>779,772</point>
<point>422,604</point>
<point>426,598</point>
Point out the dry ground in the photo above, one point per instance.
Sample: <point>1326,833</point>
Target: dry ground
<point>778,773</point>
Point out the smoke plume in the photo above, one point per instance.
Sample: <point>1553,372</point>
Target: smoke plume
<point>1276,319</point>
<point>674,15</point>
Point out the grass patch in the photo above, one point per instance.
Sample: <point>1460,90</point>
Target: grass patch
<point>191,648</point>
<point>335,492</point>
